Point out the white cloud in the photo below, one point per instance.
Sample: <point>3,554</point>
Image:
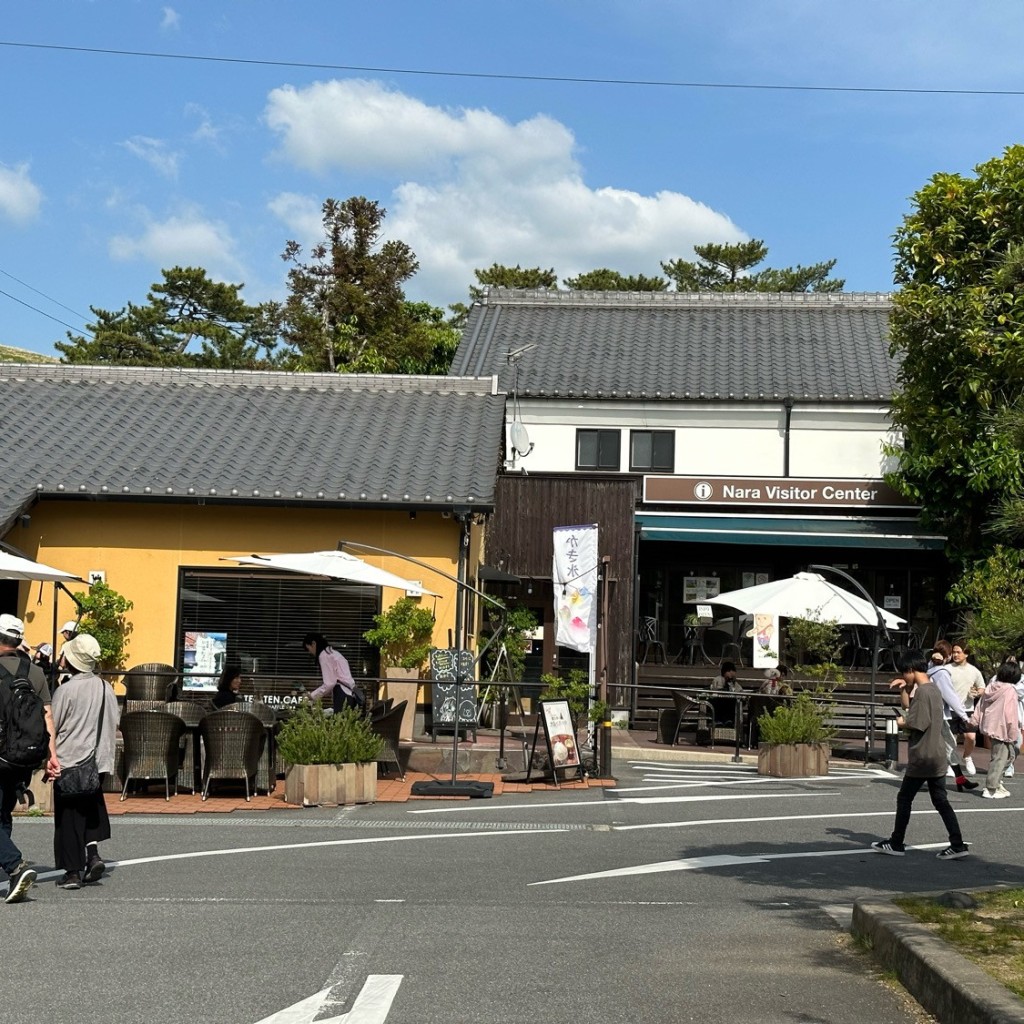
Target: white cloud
<point>20,197</point>
<point>182,239</point>
<point>154,152</point>
<point>207,131</point>
<point>171,20</point>
<point>362,125</point>
<point>302,215</point>
<point>479,189</point>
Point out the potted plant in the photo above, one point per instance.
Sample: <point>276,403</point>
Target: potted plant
<point>404,635</point>
<point>331,759</point>
<point>795,737</point>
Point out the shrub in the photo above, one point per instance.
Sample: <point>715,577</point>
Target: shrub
<point>802,720</point>
<point>312,736</point>
<point>573,687</point>
<point>403,634</point>
<point>102,610</point>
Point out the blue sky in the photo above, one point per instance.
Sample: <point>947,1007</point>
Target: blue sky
<point>113,167</point>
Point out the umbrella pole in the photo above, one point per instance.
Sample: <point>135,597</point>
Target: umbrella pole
<point>869,738</point>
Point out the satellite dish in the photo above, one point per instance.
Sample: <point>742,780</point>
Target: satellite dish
<point>521,444</point>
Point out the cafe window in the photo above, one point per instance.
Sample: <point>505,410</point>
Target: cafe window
<point>262,617</point>
<point>597,449</point>
<point>652,451</point>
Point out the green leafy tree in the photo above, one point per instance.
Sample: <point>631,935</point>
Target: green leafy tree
<point>346,308</point>
<point>183,310</point>
<point>991,595</point>
<point>499,275</point>
<point>605,280</point>
<point>730,268</point>
<point>103,616</point>
<point>957,328</point>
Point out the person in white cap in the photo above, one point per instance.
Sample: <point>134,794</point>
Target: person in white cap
<point>81,822</point>
<point>13,782</point>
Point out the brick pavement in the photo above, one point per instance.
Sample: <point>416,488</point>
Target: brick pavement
<point>388,791</point>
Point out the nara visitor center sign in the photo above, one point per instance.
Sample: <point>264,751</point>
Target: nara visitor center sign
<point>772,491</point>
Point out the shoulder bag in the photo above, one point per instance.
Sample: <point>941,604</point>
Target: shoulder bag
<point>82,779</point>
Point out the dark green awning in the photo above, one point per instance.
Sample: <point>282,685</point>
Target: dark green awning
<point>788,531</point>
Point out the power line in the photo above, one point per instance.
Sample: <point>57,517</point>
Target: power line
<point>564,79</point>
<point>49,298</point>
<point>35,309</point>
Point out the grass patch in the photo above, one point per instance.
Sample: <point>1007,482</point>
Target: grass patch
<point>991,934</point>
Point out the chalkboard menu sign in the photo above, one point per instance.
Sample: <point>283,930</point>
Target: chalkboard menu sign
<point>445,662</point>
<point>448,705</point>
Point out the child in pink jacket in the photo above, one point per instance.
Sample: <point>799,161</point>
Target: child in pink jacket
<point>996,716</point>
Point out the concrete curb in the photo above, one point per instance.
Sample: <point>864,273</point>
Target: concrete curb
<point>946,984</point>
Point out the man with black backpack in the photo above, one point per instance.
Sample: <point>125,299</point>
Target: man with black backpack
<point>26,743</point>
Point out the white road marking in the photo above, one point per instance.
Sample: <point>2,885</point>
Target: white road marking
<point>753,781</point>
<point>371,1006</point>
<point>722,860</point>
<point>329,842</point>
<point>715,797</point>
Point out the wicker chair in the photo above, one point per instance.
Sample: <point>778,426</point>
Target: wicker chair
<point>382,707</point>
<point>191,712</point>
<point>131,706</point>
<point>692,713</point>
<point>387,727</point>
<point>266,777</point>
<point>233,741</point>
<point>152,740</point>
<point>152,681</point>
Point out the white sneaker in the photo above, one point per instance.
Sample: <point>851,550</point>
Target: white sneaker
<point>969,768</point>
<point>1008,774</point>
<point>997,794</point>
<point>950,773</point>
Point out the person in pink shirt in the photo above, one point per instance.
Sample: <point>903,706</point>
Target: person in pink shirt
<point>997,718</point>
<point>337,683</point>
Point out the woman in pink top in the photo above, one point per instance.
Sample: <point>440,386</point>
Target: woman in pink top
<point>996,716</point>
<point>337,676</point>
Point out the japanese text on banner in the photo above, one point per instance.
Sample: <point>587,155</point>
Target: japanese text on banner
<point>574,575</point>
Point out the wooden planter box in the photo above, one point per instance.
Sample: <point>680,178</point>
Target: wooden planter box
<point>330,785</point>
<point>793,760</point>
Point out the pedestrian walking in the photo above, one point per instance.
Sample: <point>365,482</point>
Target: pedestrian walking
<point>952,710</point>
<point>14,779</point>
<point>927,760</point>
<point>969,684</point>
<point>997,718</point>
<point>85,717</point>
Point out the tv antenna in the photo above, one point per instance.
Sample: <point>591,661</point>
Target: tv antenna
<point>519,439</point>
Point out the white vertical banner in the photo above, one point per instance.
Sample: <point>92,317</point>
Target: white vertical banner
<point>765,633</point>
<point>574,575</point>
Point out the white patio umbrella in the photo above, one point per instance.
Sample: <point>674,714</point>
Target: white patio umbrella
<point>334,565</point>
<point>808,595</point>
<point>13,567</point>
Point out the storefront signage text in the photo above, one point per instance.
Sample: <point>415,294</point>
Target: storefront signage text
<point>711,490</point>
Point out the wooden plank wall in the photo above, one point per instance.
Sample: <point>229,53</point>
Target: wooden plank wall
<point>518,539</point>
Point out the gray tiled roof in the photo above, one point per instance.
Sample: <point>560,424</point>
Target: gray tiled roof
<point>676,346</point>
<point>325,439</point>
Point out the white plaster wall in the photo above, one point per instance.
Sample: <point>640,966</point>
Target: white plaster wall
<point>719,439</point>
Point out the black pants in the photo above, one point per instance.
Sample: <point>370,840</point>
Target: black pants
<point>78,821</point>
<point>937,791</point>
<point>10,782</point>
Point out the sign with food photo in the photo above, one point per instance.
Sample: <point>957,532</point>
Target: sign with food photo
<point>561,736</point>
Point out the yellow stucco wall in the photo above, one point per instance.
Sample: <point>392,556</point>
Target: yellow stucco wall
<point>142,546</point>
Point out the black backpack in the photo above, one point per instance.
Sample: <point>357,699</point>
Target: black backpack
<point>24,741</point>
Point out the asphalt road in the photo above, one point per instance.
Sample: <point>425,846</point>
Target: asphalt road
<point>688,892</point>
